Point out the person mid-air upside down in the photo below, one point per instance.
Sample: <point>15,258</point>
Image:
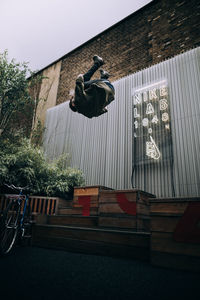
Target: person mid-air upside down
<point>92,97</point>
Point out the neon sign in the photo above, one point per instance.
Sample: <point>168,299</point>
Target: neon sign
<point>152,150</point>
<point>151,124</point>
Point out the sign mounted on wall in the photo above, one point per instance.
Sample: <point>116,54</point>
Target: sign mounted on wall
<point>151,123</point>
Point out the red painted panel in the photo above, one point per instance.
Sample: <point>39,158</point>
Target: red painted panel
<point>125,205</point>
<point>188,228</point>
<point>85,202</point>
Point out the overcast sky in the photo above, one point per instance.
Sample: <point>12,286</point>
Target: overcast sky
<point>42,31</point>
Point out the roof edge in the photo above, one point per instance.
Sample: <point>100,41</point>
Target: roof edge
<point>95,37</point>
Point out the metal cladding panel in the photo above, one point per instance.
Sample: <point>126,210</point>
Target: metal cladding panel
<point>106,148</point>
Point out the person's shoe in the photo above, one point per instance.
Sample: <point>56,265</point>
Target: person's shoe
<point>80,78</point>
<point>104,74</point>
<point>98,60</point>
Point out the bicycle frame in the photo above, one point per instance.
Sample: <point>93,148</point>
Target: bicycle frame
<point>20,198</point>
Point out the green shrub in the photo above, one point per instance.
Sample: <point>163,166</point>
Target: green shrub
<point>25,165</point>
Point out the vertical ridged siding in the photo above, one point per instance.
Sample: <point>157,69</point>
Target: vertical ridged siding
<point>103,147</point>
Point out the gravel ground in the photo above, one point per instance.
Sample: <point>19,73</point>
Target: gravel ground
<point>37,273</point>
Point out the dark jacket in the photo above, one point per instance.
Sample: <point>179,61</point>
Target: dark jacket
<point>90,102</point>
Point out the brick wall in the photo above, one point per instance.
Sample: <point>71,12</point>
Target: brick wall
<point>158,31</point>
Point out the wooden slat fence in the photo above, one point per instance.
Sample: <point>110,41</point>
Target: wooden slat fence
<point>38,204</point>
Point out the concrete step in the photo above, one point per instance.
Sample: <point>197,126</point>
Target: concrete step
<point>90,240</point>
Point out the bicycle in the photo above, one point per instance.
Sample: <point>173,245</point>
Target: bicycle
<point>15,222</point>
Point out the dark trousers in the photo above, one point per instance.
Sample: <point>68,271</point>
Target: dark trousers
<point>88,75</point>
<point>90,72</point>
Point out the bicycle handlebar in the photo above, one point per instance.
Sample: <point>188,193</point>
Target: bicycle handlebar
<point>13,187</point>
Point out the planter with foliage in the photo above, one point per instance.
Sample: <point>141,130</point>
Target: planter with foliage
<point>25,165</point>
<point>22,161</point>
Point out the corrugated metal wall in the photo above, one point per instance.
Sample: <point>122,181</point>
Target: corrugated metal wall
<point>103,147</point>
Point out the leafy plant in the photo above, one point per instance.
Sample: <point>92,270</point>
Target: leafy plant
<point>22,162</point>
<point>25,165</point>
<point>14,93</point>
<point>19,98</point>
<point>37,134</point>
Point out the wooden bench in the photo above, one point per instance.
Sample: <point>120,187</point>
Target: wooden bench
<point>175,233</point>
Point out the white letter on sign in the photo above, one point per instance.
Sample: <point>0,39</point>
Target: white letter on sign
<point>163,104</point>
<point>163,91</point>
<point>137,99</point>
<point>150,109</point>
<point>152,94</point>
<point>136,115</point>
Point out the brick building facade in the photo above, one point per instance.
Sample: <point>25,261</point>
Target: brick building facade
<point>158,31</point>
<point>154,47</point>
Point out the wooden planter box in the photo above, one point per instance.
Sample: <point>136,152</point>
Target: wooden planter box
<point>175,233</point>
<point>86,199</point>
<point>128,209</point>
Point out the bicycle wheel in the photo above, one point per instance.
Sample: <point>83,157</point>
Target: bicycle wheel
<point>9,227</point>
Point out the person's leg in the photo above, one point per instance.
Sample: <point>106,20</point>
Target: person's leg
<point>90,72</point>
<point>98,62</point>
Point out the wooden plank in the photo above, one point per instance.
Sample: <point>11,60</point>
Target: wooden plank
<point>63,202</point>
<point>175,199</point>
<point>131,191</point>
<point>171,205</point>
<point>112,205</point>
<point>40,205</point>
<point>168,207</point>
<point>143,209</point>
<point>93,201</point>
<point>110,208</point>
<point>56,206</point>
<point>175,234</point>
<point>52,207</point>
<point>48,206</point>
<point>114,208</point>
<point>164,223</point>
<point>129,223</point>
<point>35,205</point>
<point>44,206</point>
<point>43,197</point>
<point>86,191</point>
<point>143,224</point>
<point>76,211</point>
<point>31,203</point>
<point>89,190</point>
<point>110,236</point>
<point>110,196</point>
<point>137,223</point>
<point>79,206</point>
<point>164,242</point>
<point>73,220</point>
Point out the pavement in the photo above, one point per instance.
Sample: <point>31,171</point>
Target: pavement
<point>37,273</point>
